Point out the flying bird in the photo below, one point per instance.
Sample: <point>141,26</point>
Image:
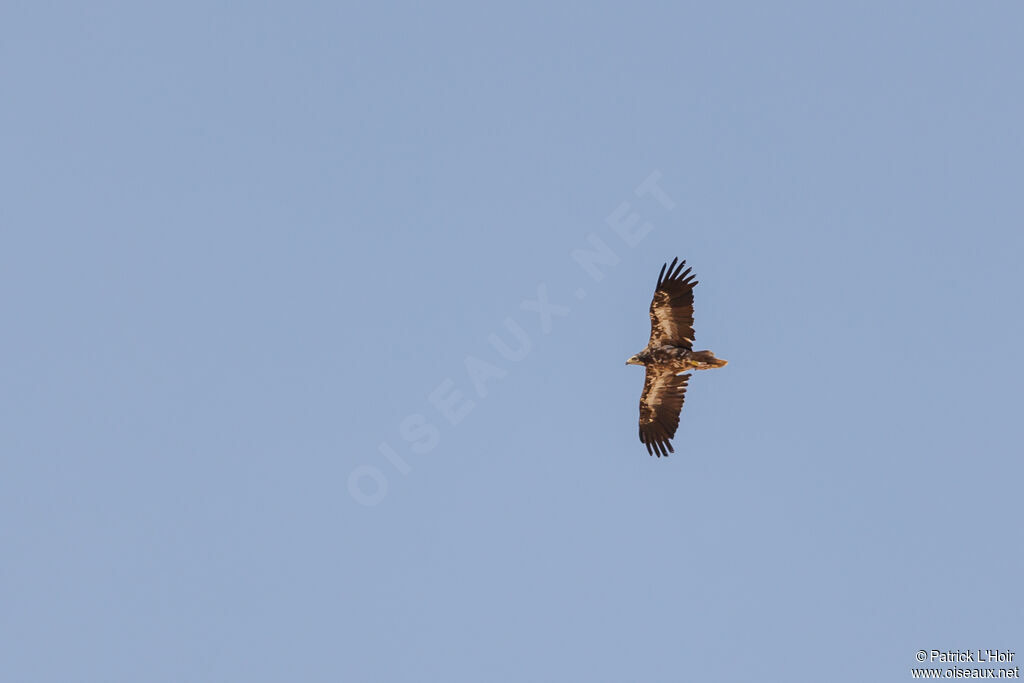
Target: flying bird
<point>669,353</point>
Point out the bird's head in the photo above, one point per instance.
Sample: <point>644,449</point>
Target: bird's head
<point>634,360</point>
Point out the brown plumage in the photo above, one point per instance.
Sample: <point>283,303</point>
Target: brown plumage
<point>672,307</point>
<point>668,353</point>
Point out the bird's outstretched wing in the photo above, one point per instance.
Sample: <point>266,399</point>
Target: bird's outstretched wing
<point>660,404</point>
<point>672,306</point>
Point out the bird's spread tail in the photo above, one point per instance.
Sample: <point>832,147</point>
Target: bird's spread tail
<point>704,360</point>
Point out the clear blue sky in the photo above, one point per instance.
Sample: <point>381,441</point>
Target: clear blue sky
<point>244,247</point>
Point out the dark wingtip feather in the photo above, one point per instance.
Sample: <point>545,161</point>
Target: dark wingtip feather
<point>679,269</point>
<point>658,447</point>
<point>674,271</point>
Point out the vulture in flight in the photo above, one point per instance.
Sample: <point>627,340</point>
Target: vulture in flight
<point>669,353</point>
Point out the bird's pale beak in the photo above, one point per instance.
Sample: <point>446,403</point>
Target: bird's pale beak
<point>631,360</point>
